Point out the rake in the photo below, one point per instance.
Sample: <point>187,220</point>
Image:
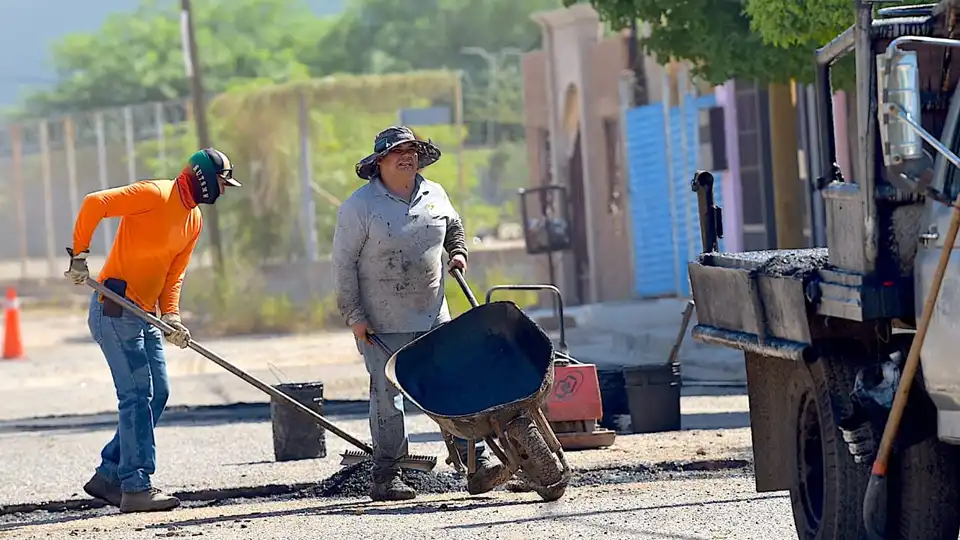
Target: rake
<point>350,457</point>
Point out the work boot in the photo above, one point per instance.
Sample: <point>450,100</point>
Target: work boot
<point>391,488</point>
<point>151,500</point>
<point>99,487</point>
<point>488,476</point>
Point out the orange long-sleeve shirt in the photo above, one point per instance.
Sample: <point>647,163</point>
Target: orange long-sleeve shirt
<point>154,242</point>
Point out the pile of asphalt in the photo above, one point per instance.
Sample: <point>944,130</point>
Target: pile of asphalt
<point>356,480</point>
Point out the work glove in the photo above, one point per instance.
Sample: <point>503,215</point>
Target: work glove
<point>181,335</point>
<point>78,271</point>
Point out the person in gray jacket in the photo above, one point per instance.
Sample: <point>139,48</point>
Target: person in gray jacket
<point>387,249</point>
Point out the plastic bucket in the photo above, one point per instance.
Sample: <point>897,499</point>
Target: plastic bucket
<point>653,396</point>
<point>296,435</point>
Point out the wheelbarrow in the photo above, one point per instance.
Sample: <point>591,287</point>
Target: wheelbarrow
<point>485,376</point>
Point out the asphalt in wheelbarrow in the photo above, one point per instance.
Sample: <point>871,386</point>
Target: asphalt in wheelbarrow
<point>490,355</point>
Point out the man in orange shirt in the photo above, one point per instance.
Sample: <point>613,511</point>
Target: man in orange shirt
<point>160,223</point>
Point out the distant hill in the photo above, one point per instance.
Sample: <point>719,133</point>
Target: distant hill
<point>28,27</point>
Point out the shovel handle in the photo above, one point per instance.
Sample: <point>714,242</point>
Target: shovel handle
<point>464,286</point>
<point>876,487</point>
<point>216,359</point>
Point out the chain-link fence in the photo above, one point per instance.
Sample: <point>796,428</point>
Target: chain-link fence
<point>48,165</point>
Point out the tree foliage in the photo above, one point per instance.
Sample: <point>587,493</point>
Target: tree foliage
<point>136,57</point>
<point>714,35</point>
<point>789,23</point>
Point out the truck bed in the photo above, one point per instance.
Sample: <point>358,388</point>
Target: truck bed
<point>799,263</point>
<point>763,300</point>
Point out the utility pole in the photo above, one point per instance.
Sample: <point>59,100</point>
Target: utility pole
<point>788,199</point>
<point>493,75</point>
<point>200,118</point>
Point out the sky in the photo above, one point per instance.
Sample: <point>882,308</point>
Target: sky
<point>29,27</point>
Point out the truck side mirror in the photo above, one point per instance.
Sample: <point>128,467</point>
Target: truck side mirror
<point>898,91</point>
<point>909,166</point>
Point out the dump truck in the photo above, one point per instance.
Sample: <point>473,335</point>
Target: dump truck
<point>825,331</point>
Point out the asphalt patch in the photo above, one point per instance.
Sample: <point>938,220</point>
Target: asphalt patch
<point>356,480</point>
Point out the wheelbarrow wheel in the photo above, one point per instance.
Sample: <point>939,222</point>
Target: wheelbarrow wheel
<point>537,461</point>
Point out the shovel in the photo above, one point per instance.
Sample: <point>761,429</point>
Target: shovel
<point>421,463</point>
<point>875,498</point>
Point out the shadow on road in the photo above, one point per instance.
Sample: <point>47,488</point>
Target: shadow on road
<point>717,420</point>
<point>205,415</point>
<point>458,504</point>
<point>234,413</point>
<point>620,530</point>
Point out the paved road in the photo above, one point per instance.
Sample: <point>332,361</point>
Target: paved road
<point>687,509</point>
<point>48,459</point>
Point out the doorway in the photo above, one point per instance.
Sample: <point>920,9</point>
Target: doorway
<point>581,258</point>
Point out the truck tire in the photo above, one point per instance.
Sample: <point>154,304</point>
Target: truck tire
<point>536,458</point>
<point>827,485</point>
<point>923,492</point>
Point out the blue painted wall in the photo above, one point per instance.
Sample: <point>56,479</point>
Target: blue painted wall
<point>666,225</point>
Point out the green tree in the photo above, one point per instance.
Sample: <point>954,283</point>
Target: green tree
<point>715,35</point>
<point>787,23</point>
<point>136,57</point>
<point>429,34</point>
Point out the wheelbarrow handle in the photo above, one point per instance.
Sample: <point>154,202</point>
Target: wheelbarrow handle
<point>375,339</point>
<point>464,286</point>
<point>216,359</point>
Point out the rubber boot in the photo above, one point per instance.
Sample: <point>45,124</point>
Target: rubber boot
<point>151,500</point>
<point>390,487</point>
<point>99,487</point>
<point>488,476</point>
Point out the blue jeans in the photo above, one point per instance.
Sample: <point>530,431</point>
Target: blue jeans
<point>134,352</point>
<point>387,427</point>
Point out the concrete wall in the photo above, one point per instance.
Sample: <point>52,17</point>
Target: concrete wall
<point>574,84</point>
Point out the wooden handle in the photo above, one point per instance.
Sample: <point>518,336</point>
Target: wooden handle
<point>913,358</point>
<point>213,357</point>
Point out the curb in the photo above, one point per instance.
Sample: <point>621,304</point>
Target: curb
<point>274,490</point>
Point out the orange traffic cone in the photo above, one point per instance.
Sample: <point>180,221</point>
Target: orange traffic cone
<point>12,344</point>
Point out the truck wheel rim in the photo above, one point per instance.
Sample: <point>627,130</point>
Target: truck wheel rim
<point>810,466</point>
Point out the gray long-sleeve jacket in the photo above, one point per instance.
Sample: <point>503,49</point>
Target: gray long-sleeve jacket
<point>387,256</point>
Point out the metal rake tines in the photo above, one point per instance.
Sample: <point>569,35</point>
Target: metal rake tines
<point>411,461</point>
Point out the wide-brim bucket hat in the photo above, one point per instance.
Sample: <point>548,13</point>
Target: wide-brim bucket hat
<point>427,152</point>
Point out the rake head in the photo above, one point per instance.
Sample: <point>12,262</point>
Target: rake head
<point>411,461</point>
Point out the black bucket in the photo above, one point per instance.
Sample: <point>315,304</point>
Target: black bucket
<point>296,435</point>
<point>653,395</point>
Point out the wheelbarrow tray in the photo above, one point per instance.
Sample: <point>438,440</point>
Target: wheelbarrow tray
<point>487,366</point>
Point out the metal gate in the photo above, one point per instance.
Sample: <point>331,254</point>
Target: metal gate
<point>662,157</point>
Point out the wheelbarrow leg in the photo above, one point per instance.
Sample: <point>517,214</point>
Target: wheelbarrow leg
<point>471,456</point>
<point>453,456</point>
<point>548,435</point>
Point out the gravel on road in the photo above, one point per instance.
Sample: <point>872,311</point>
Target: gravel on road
<point>49,466</point>
<point>725,507</point>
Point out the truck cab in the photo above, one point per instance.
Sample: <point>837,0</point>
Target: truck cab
<point>825,331</point>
